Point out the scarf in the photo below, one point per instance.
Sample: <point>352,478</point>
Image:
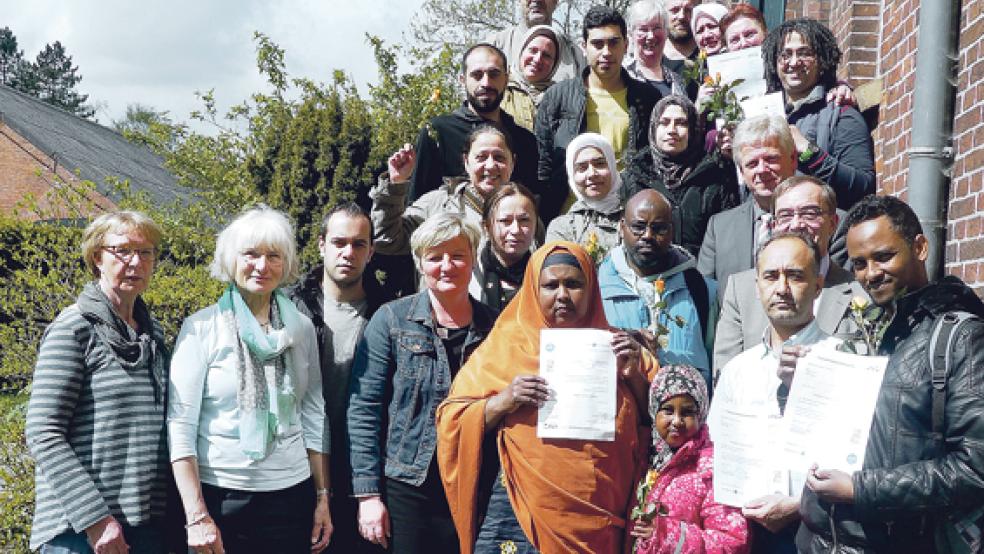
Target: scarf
<point>610,203</point>
<point>568,495</point>
<point>267,403</point>
<point>535,90</point>
<point>673,170</point>
<point>493,273</point>
<point>143,352</point>
<point>674,380</point>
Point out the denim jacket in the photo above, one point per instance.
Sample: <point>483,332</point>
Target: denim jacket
<point>399,377</point>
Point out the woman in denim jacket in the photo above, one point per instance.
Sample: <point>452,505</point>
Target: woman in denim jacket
<point>410,352</point>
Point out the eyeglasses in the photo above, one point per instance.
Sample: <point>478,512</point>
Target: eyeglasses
<point>125,254</point>
<point>802,54</point>
<point>646,30</point>
<point>639,228</point>
<point>253,257</point>
<point>808,214</point>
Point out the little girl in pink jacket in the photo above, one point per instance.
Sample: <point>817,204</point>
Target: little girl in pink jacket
<point>675,511</point>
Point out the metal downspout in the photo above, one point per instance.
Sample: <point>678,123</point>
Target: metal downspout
<point>934,95</point>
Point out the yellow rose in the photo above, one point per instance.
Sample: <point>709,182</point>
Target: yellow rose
<point>660,286</point>
<point>435,96</point>
<point>859,303</point>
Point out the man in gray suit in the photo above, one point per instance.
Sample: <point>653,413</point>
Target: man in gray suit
<point>766,156</point>
<point>807,205</point>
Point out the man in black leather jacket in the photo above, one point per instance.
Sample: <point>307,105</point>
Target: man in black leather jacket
<point>911,483</point>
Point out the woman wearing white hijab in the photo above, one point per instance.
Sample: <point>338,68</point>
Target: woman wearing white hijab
<point>592,220</point>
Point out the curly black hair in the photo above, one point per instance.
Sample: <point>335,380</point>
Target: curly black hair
<point>905,222</point>
<point>820,39</point>
<point>601,15</point>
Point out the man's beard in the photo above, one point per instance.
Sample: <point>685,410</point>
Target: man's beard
<point>652,261</point>
<point>346,282</point>
<point>484,106</point>
<point>682,36</point>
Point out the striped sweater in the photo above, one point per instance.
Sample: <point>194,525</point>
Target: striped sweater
<point>96,433</point>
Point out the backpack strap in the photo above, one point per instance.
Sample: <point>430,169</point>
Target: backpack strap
<point>940,360</point>
<point>698,292</point>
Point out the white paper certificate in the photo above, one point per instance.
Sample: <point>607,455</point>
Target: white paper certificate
<point>579,367</point>
<point>767,104</point>
<point>745,467</point>
<point>744,64</point>
<point>830,407</point>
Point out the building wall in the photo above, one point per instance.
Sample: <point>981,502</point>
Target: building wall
<point>879,39</point>
<point>26,171</point>
<point>965,231</point>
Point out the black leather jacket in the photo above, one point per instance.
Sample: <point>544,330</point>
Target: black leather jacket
<point>710,188</point>
<point>908,482</point>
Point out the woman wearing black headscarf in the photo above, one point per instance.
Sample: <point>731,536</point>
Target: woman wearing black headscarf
<point>697,184</point>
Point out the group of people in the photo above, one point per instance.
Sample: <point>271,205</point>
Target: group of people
<point>573,189</point>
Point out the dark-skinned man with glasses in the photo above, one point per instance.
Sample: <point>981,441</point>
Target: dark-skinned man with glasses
<point>804,204</point>
<point>648,282</point>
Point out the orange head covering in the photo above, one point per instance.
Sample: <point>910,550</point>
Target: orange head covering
<point>568,495</point>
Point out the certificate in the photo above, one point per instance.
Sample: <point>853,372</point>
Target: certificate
<point>745,466</point>
<point>829,410</point>
<point>767,104</point>
<point>744,64</point>
<point>579,368</point>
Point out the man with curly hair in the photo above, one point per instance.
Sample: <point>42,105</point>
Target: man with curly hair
<point>833,142</point>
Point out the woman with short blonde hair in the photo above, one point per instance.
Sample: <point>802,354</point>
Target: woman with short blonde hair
<point>95,420</point>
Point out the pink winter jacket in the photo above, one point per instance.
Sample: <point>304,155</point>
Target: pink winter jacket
<point>694,523</point>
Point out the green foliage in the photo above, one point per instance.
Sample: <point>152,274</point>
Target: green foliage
<point>53,79</point>
<point>300,146</point>
<point>16,475</point>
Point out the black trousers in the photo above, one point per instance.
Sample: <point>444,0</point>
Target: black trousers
<point>263,522</point>
<point>420,516</point>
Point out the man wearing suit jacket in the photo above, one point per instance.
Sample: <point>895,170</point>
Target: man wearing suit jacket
<point>766,156</point>
<point>807,205</point>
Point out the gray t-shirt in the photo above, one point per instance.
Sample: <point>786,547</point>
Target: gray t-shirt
<point>345,322</point>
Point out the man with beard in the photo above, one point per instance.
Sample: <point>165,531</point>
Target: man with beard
<point>755,382</point>
<point>922,480</point>
<point>339,299</point>
<point>440,144</point>
<point>604,99</point>
<point>648,282</point>
<point>680,44</point>
<point>511,40</point>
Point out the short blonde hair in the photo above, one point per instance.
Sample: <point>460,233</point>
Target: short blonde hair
<point>440,228</point>
<point>261,226</point>
<point>116,222</point>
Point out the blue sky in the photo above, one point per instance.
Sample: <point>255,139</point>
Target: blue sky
<point>159,53</point>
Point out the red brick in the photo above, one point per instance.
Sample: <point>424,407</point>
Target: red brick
<point>971,249</point>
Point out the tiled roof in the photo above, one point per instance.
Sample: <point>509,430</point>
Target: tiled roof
<point>94,151</point>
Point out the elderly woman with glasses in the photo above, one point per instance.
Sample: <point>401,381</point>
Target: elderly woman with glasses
<point>95,420</point>
<point>246,415</point>
<point>647,21</point>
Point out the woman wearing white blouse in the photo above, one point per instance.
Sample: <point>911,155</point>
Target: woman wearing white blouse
<point>246,416</point>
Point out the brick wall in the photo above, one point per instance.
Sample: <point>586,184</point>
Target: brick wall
<point>25,170</point>
<point>879,39</point>
<point>965,229</point>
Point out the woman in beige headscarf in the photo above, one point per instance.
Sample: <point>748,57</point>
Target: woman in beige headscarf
<point>531,75</point>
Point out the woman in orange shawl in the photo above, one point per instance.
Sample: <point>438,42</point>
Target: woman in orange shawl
<point>565,495</point>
